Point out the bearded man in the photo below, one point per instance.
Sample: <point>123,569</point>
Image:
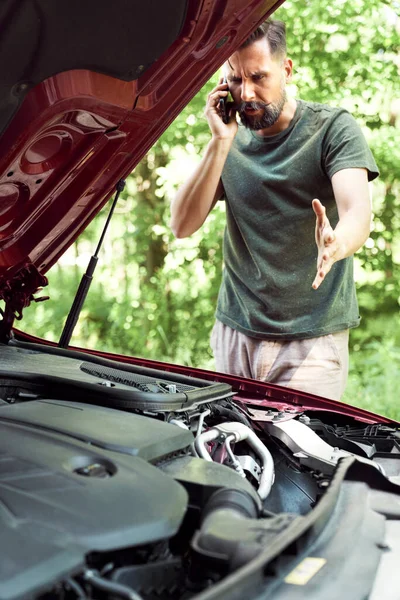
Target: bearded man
<point>291,172</point>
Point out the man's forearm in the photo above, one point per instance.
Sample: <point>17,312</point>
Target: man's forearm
<point>352,196</point>
<point>198,194</point>
<point>351,232</point>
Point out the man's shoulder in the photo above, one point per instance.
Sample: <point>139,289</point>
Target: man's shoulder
<point>322,111</point>
<point>324,118</point>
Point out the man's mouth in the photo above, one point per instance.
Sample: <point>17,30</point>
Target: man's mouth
<point>252,108</point>
<point>261,115</point>
<point>251,111</point>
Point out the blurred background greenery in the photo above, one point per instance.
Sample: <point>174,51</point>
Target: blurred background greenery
<point>154,296</point>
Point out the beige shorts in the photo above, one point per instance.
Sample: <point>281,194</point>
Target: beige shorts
<point>316,365</point>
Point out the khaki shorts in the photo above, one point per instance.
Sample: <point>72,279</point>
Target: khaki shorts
<point>316,365</point>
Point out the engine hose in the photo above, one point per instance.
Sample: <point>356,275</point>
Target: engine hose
<point>231,499</point>
<point>104,585</point>
<point>231,414</point>
<point>230,534</point>
<point>241,433</point>
<point>75,587</point>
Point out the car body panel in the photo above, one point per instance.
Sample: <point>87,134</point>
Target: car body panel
<point>249,391</point>
<point>79,131</point>
<point>156,445</point>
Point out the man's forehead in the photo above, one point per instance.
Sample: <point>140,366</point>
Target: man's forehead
<point>254,57</point>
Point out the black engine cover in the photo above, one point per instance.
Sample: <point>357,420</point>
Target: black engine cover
<point>61,497</point>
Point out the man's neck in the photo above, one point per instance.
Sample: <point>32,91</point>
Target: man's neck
<point>285,118</point>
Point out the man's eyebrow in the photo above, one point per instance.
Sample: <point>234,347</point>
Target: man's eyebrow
<point>253,74</point>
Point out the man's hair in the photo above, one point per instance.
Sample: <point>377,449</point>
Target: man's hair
<point>274,32</point>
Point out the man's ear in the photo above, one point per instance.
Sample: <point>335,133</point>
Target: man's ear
<point>288,68</point>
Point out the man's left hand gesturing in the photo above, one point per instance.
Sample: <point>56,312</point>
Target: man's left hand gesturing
<point>329,248</point>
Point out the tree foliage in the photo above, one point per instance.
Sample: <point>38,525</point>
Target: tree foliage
<point>155,296</point>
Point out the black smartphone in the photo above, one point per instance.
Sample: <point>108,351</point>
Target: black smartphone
<point>223,108</point>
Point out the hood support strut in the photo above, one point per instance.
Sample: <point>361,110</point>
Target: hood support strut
<point>87,278</point>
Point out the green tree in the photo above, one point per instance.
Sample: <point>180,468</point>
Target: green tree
<point>154,296</point>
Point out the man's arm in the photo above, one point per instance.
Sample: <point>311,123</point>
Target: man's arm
<point>350,187</point>
<point>198,195</point>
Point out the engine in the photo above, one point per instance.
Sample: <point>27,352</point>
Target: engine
<point>133,484</point>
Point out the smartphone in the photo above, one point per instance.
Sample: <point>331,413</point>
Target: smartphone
<point>223,108</point>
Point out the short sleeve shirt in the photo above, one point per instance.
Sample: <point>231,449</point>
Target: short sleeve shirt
<point>270,255</point>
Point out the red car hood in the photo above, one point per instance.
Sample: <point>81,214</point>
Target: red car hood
<point>87,88</point>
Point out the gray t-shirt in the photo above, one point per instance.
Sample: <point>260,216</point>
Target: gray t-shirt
<point>269,249</point>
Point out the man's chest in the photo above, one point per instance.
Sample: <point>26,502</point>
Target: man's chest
<point>284,177</point>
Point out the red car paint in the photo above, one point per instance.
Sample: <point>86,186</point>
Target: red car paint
<point>77,133</point>
<point>248,391</point>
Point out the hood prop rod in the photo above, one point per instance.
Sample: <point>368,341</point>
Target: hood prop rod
<point>87,278</point>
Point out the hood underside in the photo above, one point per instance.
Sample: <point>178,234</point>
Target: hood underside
<point>87,88</point>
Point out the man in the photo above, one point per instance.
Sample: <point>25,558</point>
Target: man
<point>284,308</point>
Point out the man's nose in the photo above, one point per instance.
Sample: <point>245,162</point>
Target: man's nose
<point>247,92</point>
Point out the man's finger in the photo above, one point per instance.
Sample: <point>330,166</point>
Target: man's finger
<point>328,235</point>
<point>318,279</point>
<point>319,210</point>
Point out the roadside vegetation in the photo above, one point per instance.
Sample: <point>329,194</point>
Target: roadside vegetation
<point>155,296</point>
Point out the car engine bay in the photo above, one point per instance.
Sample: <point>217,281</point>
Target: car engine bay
<point>118,481</point>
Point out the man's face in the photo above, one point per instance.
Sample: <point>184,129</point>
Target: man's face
<point>257,82</point>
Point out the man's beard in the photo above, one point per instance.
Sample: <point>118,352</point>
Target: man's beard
<point>269,116</point>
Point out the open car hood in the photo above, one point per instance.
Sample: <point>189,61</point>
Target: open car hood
<point>129,478</point>
<point>86,90</point>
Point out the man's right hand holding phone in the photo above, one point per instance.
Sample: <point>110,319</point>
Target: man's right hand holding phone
<point>201,191</point>
<point>214,111</point>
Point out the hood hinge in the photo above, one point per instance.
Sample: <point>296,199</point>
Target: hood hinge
<point>17,294</point>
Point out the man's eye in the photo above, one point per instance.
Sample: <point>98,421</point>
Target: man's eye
<point>258,77</point>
